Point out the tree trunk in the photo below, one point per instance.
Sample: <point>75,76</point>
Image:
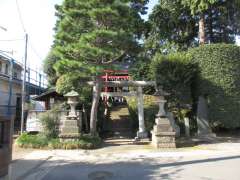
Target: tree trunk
<point>94,109</point>
<point>202,38</point>
<point>85,118</point>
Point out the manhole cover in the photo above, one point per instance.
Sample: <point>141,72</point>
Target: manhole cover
<point>100,175</point>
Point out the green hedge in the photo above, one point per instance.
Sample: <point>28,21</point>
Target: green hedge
<point>219,81</point>
<point>40,141</point>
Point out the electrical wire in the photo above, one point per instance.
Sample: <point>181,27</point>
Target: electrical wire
<point>34,50</point>
<point>20,16</point>
<point>11,40</point>
<point>24,29</point>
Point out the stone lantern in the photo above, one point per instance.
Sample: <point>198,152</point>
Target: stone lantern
<point>72,100</point>
<point>71,125</point>
<point>163,134</point>
<point>161,101</point>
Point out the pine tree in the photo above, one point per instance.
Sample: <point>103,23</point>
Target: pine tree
<point>91,36</point>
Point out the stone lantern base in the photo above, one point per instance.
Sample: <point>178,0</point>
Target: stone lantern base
<point>69,130</point>
<point>163,134</point>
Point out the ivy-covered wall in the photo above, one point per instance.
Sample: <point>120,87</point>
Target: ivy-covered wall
<point>219,80</point>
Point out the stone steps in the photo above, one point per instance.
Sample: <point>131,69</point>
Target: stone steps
<point>120,122</point>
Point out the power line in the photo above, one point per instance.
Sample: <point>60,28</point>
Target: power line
<point>24,29</point>
<point>11,40</point>
<point>20,16</point>
<point>34,50</point>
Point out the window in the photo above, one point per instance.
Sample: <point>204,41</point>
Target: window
<point>6,69</point>
<point>15,75</point>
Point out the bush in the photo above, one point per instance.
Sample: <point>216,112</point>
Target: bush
<point>50,122</point>
<point>41,141</point>
<point>219,81</point>
<point>176,74</point>
<point>32,141</point>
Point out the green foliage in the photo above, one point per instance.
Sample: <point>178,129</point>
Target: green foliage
<point>66,83</point>
<point>90,36</point>
<point>219,81</point>
<point>173,25</point>
<point>50,122</point>
<point>41,141</point>
<point>175,73</point>
<point>198,6</point>
<point>140,69</point>
<point>150,110</point>
<point>49,70</point>
<point>32,141</point>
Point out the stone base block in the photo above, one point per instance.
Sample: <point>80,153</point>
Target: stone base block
<point>69,137</point>
<point>142,135</point>
<point>162,120</point>
<point>69,131</point>
<point>163,141</point>
<point>70,123</point>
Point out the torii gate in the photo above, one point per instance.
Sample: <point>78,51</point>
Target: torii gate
<point>139,94</point>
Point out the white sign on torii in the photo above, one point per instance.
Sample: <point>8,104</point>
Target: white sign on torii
<point>139,84</point>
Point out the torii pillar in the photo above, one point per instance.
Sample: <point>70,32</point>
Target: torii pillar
<point>142,130</point>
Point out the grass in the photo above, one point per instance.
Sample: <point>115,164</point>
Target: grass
<point>40,141</point>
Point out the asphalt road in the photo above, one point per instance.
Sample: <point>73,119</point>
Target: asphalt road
<point>217,168</point>
<point>208,162</point>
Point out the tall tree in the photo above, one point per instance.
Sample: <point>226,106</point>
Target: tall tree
<point>171,27</point>
<point>174,26</point>
<point>91,36</point>
<point>222,21</point>
<point>199,7</point>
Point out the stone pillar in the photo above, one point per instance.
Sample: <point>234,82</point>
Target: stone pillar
<point>204,129</point>
<point>187,126</point>
<point>142,131</point>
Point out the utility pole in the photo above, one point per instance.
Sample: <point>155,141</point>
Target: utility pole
<point>24,84</point>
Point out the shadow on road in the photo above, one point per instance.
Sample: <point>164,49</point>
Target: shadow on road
<point>140,168</point>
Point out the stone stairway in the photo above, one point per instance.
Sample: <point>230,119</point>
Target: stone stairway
<point>120,122</point>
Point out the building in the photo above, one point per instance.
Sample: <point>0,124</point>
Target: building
<point>11,73</point>
<point>10,86</point>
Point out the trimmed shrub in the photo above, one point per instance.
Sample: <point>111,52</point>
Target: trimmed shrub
<point>175,73</point>
<point>219,81</point>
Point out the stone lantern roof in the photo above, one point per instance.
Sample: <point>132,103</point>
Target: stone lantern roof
<point>72,94</point>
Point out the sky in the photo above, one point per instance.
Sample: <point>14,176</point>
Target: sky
<point>38,19</point>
